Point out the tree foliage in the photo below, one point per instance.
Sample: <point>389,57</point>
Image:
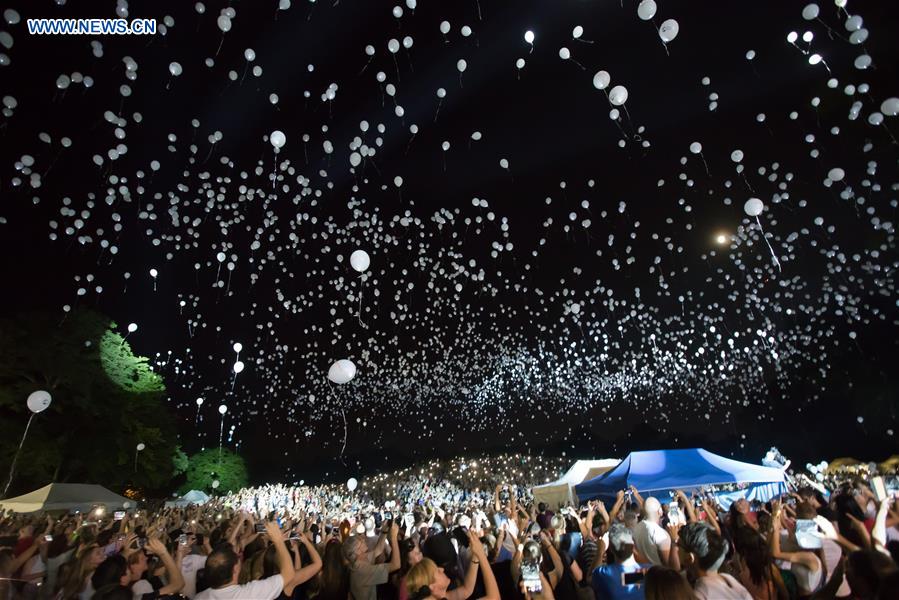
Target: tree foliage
<point>105,402</point>
<point>208,465</point>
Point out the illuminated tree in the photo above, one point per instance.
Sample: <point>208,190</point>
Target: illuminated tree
<point>205,467</point>
<point>105,402</point>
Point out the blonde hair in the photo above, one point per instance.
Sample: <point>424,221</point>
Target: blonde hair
<point>422,574</point>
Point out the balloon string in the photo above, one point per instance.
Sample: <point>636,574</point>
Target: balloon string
<point>764,237</point>
<point>359,312</point>
<point>15,458</point>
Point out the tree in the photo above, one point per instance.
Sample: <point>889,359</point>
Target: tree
<point>105,402</point>
<point>205,467</point>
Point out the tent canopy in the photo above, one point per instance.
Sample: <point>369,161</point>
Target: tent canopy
<point>665,470</point>
<point>561,491</point>
<point>191,497</point>
<point>65,496</point>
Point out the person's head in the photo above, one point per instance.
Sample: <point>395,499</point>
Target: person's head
<point>706,546</point>
<point>621,542</point>
<point>94,556</point>
<point>652,510</point>
<point>355,550</point>
<point>812,496</point>
<point>112,572</point>
<point>754,553</point>
<point>426,579</point>
<point>26,532</point>
<point>113,592</point>
<point>137,565</point>
<point>805,510</point>
<point>662,583</point>
<point>740,507</point>
<point>222,567</point>
<point>270,561</point>
<point>864,571</point>
<point>541,507</point>
<point>410,555</point>
<point>333,567</point>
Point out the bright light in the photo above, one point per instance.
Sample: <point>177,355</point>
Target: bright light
<point>529,36</point>
<point>721,238</point>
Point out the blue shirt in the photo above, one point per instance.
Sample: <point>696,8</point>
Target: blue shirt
<point>607,582</point>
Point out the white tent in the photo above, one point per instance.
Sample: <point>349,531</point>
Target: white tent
<point>66,496</point>
<point>191,497</point>
<point>561,491</point>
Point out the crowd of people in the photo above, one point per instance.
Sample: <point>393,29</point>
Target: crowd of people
<point>428,536</point>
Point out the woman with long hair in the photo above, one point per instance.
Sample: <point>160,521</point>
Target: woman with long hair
<point>662,583</point>
<point>757,571</point>
<point>807,565</point>
<point>334,578</point>
<point>427,581</point>
<point>75,583</point>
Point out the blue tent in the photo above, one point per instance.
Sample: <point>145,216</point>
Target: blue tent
<point>661,471</point>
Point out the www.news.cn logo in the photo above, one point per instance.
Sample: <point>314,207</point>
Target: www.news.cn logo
<point>92,26</point>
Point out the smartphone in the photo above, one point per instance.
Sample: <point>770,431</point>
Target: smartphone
<point>48,538</point>
<point>807,534</point>
<point>182,539</point>
<point>530,575</point>
<point>635,578</point>
<point>674,513</point>
<point>260,528</point>
<point>141,542</point>
<point>879,488</point>
<point>118,515</point>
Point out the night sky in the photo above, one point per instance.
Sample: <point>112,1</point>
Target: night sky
<point>588,312</point>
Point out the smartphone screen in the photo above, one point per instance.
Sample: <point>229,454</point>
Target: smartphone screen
<point>879,489</point>
<point>674,514</point>
<point>530,575</point>
<point>635,578</point>
<point>118,515</point>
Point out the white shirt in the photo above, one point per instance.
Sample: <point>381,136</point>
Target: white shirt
<point>190,564</point>
<point>832,554</point>
<point>649,539</point>
<point>264,589</point>
<point>140,588</point>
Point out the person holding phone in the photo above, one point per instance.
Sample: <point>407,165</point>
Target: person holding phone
<point>427,581</point>
<point>622,578</point>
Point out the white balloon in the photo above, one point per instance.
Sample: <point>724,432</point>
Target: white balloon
<point>646,9</point>
<point>753,207</point>
<point>38,401</point>
<point>461,65</point>
<point>215,483</point>
<point>853,23</point>
<point>668,30</point>
<point>564,54</point>
<point>858,37</point>
<point>393,45</point>
<point>238,367</point>
<point>175,68</point>
<point>132,327</point>
<point>141,446</point>
<point>237,347</point>
<point>577,32</point>
<point>618,95</point>
<point>890,107</point>
<point>601,80</point>
<point>529,36</point>
<point>814,59</point>
<point>695,147</point>
<point>222,409</point>
<point>810,11</point>
<point>277,138</point>
<point>360,260</point>
<point>199,402</point>
<point>342,371</point>
<point>863,62</point>
<point>836,174</point>
<point>444,27</point>
<point>875,118</point>
<point>736,156</point>
<point>351,483</point>
<point>224,23</point>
